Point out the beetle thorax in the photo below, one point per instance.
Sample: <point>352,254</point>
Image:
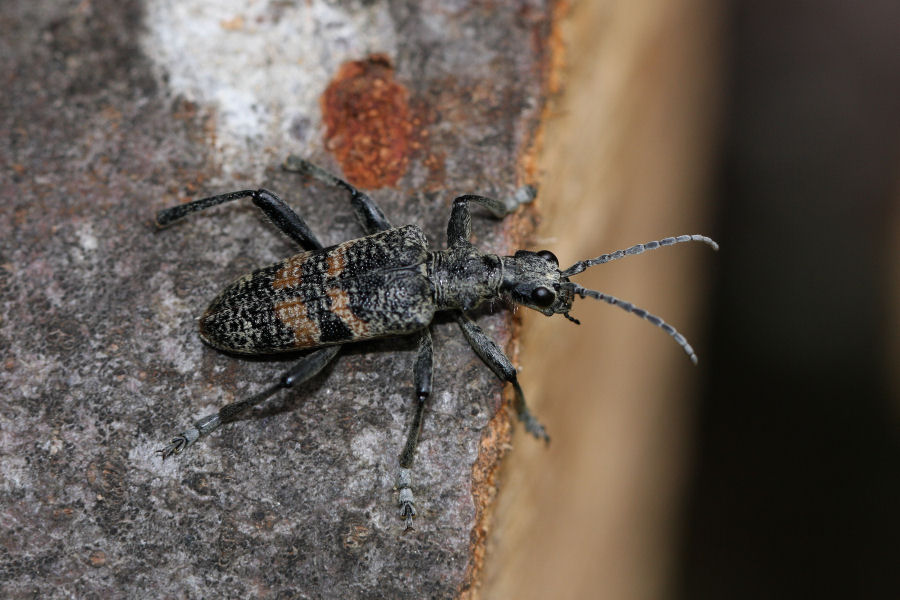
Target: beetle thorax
<point>464,277</point>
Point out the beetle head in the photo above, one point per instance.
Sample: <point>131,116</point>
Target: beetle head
<point>534,279</point>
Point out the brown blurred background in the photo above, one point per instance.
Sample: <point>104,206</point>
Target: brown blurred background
<point>772,470</point>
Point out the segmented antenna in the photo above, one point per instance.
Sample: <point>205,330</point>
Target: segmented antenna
<point>637,249</point>
<point>629,307</point>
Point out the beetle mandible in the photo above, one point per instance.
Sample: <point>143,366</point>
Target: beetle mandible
<point>385,284</point>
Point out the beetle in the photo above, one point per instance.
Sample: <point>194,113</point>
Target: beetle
<point>388,283</point>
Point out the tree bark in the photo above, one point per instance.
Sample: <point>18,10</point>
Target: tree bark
<point>114,110</point>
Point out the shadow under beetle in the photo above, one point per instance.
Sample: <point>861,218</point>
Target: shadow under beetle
<point>385,284</point>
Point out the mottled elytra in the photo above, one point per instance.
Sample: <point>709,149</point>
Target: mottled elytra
<point>385,284</point>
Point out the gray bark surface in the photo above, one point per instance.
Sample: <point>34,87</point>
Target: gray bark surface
<point>101,357</point>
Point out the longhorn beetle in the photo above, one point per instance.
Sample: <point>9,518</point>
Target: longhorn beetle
<point>385,284</point>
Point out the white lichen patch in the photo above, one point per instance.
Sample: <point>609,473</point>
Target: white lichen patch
<point>367,446</point>
<point>86,238</point>
<point>260,66</point>
<point>169,309</point>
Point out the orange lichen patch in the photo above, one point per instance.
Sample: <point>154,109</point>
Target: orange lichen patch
<point>293,314</point>
<point>336,262</point>
<point>425,113</point>
<point>340,306</point>
<point>291,273</point>
<point>367,122</point>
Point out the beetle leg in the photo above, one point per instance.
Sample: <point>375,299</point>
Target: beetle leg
<point>305,369</point>
<point>367,212</point>
<point>278,212</point>
<point>423,374</point>
<point>459,228</point>
<point>491,354</point>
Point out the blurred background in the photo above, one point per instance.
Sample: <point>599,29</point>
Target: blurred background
<point>773,469</point>
<point>794,488</point>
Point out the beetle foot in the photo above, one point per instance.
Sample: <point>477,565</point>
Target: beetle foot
<point>179,443</point>
<point>534,427</point>
<point>407,513</point>
<point>524,195</point>
<point>407,501</point>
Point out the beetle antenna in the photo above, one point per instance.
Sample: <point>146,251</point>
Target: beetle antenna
<point>637,249</point>
<point>629,307</point>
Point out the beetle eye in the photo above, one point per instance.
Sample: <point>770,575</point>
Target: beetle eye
<point>549,257</point>
<point>542,297</point>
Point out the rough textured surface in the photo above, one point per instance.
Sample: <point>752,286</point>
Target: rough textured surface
<point>101,358</point>
<point>368,124</point>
